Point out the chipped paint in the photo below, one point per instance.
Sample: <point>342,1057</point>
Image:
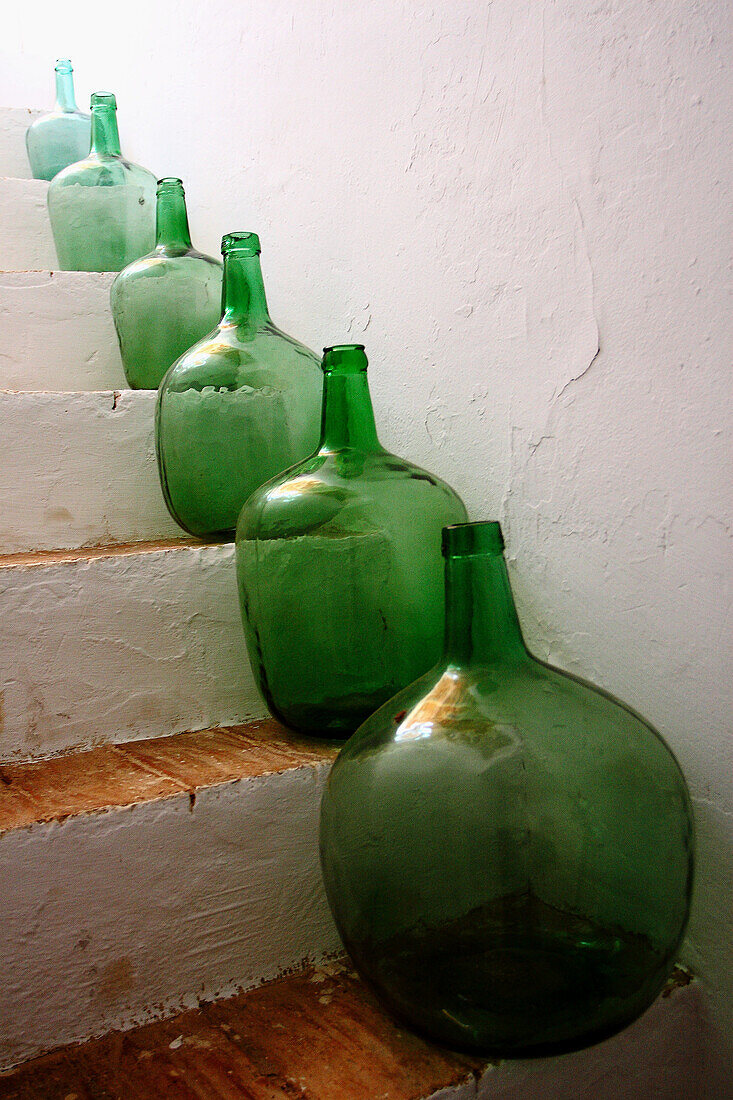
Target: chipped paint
<point>115,981</point>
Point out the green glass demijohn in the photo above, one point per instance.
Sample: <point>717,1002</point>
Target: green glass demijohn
<point>339,567</point>
<point>102,208</point>
<point>237,407</point>
<point>165,301</point>
<point>507,850</point>
<point>61,136</point>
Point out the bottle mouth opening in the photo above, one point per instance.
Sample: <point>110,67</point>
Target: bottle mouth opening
<point>345,359</point>
<point>63,65</point>
<point>246,243</point>
<point>170,183</point>
<point>104,99</point>
<point>463,540</point>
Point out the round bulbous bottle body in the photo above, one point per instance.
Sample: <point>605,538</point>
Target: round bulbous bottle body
<point>162,305</point>
<point>340,575</point>
<point>102,208</point>
<point>102,213</point>
<point>59,137</point>
<point>56,140</point>
<point>507,852</point>
<point>231,412</point>
<point>166,301</point>
<point>238,407</point>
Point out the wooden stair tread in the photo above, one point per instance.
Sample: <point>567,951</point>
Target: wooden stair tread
<point>317,1034</point>
<point>118,775</point>
<point>90,553</point>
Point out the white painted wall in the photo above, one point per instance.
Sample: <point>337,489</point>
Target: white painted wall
<point>487,194</point>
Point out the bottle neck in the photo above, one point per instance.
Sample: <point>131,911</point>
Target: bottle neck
<point>347,419</point>
<point>482,627</point>
<point>243,291</point>
<point>105,138</point>
<point>65,98</point>
<point>171,219</point>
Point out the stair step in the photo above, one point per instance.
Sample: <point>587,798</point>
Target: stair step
<point>56,332</point>
<point>79,470</point>
<point>318,1034</point>
<point>134,772</point>
<point>151,876</point>
<point>116,643</point>
<point>14,121</point>
<point>26,241</point>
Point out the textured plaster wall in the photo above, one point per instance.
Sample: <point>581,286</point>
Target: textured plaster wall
<point>520,208</point>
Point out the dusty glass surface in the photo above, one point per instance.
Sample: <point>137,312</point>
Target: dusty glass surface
<point>237,407</point>
<point>507,850</point>
<point>102,208</point>
<point>166,301</point>
<point>61,136</point>
<point>339,566</point>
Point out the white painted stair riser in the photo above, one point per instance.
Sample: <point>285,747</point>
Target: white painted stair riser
<point>26,241</point>
<point>14,122</point>
<point>114,918</point>
<point>121,647</point>
<point>79,470</point>
<point>56,332</point>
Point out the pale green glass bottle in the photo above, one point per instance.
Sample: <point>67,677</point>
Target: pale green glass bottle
<point>507,850</point>
<point>339,567</point>
<point>62,136</point>
<point>166,301</point>
<point>102,208</point>
<point>237,407</point>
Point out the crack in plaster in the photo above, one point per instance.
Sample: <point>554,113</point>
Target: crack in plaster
<point>580,222</point>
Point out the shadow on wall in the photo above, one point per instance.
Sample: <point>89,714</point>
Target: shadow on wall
<point>671,1053</point>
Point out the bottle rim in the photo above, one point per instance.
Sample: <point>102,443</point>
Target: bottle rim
<point>170,183</point>
<point>104,99</point>
<point>63,65</point>
<point>344,358</point>
<point>462,540</point>
<point>241,241</point>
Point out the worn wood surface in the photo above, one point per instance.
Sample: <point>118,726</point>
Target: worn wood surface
<point>143,771</point>
<point>316,1035</point>
<point>91,553</point>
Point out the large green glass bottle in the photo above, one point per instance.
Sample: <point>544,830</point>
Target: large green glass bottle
<point>339,567</point>
<point>507,850</point>
<point>102,208</point>
<point>166,301</point>
<point>60,137</point>
<point>237,407</point>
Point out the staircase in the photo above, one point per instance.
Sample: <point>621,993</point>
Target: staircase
<point>143,871</point>
<point>158,831</point>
